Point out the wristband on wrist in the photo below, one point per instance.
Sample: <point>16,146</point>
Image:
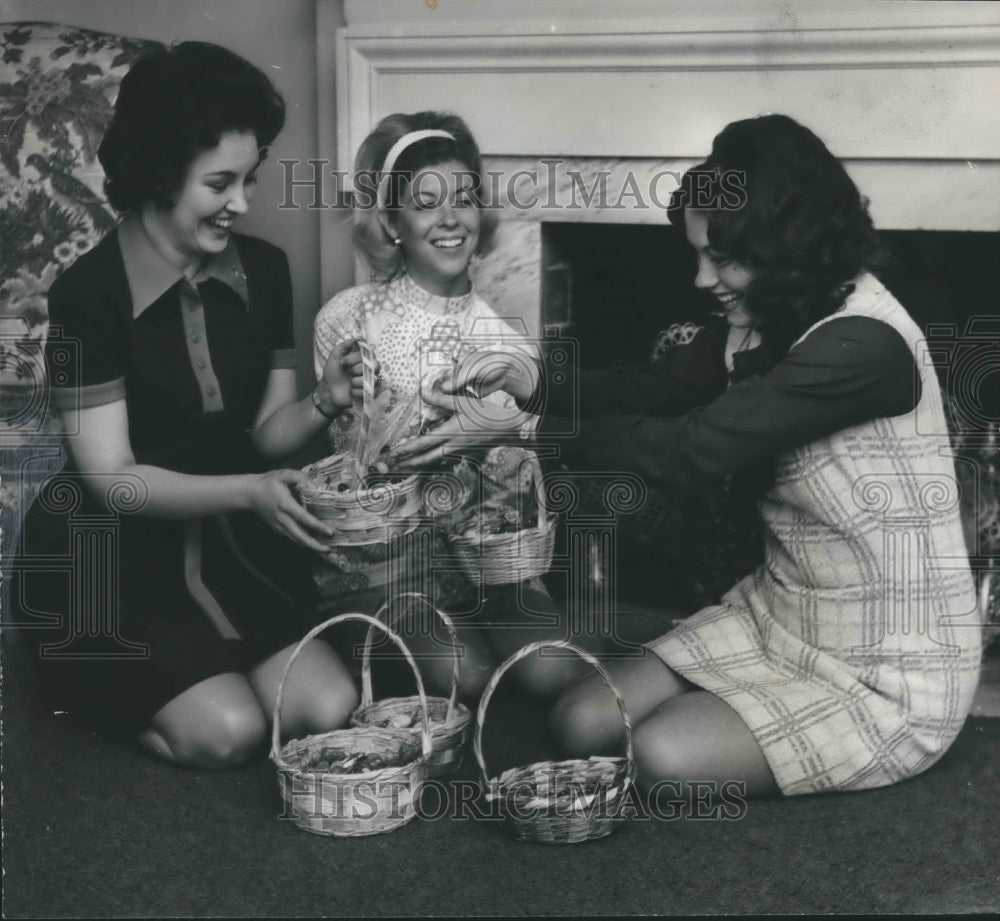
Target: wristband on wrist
<point>319,408</point>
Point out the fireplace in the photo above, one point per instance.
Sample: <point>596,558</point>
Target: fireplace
<point>587,111</point>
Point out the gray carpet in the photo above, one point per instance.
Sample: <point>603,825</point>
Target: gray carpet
<point>95,830</point>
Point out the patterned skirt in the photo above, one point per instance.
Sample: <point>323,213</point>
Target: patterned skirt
<point>819,721</point>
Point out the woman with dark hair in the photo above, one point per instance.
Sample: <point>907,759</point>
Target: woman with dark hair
<point>171,361</point>
<point>848,659</point>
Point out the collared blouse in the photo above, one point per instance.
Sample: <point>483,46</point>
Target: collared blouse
<point>190,358</point>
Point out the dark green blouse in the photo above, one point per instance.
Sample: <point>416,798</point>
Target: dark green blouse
<point>684,420</point>
<point>190,360</point>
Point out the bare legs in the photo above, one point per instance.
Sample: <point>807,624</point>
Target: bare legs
<point>679,733</point>
<point>518,615</point>
<point>224,721</point>
<point>512,617</point>
<point>216,724</point>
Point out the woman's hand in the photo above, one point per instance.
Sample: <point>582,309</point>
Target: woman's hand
<point>342,382</point>
<point>272,498</point>
<point>471,423</point>
<point>483,373</point>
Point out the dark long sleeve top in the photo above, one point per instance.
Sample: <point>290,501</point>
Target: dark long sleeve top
<point>683,420</point>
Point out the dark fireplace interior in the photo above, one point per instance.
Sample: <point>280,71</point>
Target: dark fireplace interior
<point>612,286</point>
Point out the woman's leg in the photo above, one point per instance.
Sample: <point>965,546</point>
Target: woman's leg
<point>215,724</point>
<point>699,737</point>
<point>586,718</point>
<point>516,615</point>
<point>319,694</point>
<point>428,640</point>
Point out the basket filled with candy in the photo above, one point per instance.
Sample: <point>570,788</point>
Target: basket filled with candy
<point>364,505</point>
<point>509,535</point>
<point>449,719</point>
<point>359,496</point>
<point>363,780</point>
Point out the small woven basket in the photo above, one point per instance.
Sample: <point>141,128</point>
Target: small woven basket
<point>503,559</point>
<point>449,719</point>
<point>361,515</point>
<point>371,802</point>
<point>560,802</point>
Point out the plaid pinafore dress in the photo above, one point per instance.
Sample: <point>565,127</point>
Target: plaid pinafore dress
<point>852,653</point>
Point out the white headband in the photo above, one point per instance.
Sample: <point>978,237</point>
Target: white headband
<point>393,155</point>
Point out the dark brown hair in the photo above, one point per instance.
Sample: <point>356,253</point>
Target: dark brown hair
<point>174,104</point>
<point>779,202</point>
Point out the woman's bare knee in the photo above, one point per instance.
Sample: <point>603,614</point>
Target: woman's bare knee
<point>335,706</point>
<point>547,675</point>
<point>474,672</point>
<point>330,707</point>
<point>697,737</point>
<point>586,720</point>
<point>319,693</point>
<point>436,658</point>
<point>217,725</point>
<point>238,737</point>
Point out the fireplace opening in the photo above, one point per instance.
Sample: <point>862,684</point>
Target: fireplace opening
<point>613,287</point>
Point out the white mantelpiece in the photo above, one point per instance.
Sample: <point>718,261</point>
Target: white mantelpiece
<point>911,86</point>
<point>906,93</point>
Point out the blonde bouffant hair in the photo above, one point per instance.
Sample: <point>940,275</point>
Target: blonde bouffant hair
<point>384,258</point>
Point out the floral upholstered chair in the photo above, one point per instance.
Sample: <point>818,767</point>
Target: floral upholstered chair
<point>58,85</point>
<point>57,88</point>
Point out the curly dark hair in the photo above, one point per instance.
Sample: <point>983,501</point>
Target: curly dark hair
<point>173,105</point>
<point>780,203</point>
<point>370,237</point>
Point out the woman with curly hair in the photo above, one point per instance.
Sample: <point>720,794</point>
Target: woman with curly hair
<point>848,659</point>
<point>174,376</point>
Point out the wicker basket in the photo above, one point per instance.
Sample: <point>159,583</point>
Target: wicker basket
<point>361,515</point>
<point>328,802</point>
<point>449,719</point>
<point>504,559</point>
<point>560,802</point>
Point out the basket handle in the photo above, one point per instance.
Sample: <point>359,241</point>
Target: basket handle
<point>366,672</point>
<point>312,634</point>
<point>477,746</point>
<point>363,448</point>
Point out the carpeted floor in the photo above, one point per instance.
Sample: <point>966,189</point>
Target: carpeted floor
<point>93,830</point>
